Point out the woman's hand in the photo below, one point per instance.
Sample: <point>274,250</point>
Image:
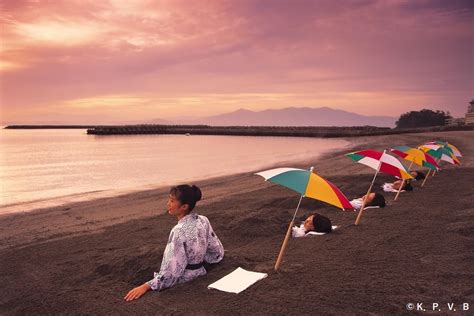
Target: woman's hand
<point>137,292</point>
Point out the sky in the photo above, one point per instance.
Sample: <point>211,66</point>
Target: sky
<point>92,62</point>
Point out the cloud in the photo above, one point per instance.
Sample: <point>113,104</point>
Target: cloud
<point>314,52</point>
<point>107,101</point>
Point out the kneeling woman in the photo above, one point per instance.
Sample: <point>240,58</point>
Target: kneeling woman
<point>191,243</point>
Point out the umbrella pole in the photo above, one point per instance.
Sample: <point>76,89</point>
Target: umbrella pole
<point>365,198</point>
<point>401,185</point>
<point>427,175</point>
<point>368,192</point>
<point>287,237</point>
<point>434,171</point>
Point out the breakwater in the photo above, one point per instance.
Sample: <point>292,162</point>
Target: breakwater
<point>235,130</point>
<point>296,131</point>
<point>49,126</point>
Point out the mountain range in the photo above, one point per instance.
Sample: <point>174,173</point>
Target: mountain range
<point>291,116</point>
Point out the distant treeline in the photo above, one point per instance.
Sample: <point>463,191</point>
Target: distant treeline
<point>423,118</point>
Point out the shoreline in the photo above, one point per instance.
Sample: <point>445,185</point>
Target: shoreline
<point>64,200</point>
<point>81,216</point>
<point>93,252</point>
<point>86,199</point>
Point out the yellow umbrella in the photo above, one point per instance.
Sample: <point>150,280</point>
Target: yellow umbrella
<point>415,156</point>
<point>308,184</point>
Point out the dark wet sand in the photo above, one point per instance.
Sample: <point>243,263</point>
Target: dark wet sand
<point>84,257</point>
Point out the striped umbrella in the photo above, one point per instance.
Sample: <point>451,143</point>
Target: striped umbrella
<point>440,152</point>
<point>450,147</point>
<point>308,184</point>
<point>414,155</point>
<point>455,150</point>
<point>381,162</point>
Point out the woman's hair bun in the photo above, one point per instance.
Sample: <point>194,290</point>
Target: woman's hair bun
<point>197,193</point>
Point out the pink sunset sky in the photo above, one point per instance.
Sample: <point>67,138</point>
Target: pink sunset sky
<point>87,62</point>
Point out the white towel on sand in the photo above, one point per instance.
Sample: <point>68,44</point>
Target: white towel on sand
<point>301,232</point>
<point>357,203</point>
<point>388,187</point>
<point>237,281</point>
<point>368,207</point>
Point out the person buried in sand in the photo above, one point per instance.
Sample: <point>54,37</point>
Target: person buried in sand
<point>191,243</point>
<point>313,223</point>
<point>373,199</point>
<point>407,184</point>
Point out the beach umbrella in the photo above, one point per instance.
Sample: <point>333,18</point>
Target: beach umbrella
<point>450,147</point>
<point>415,156</point>
<point>455,150</point>
<point>308,184</point>
<point>431,150</point>
<point>380,162</point>
<point>440,152</point>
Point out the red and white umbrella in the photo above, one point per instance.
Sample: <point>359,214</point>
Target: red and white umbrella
<point>380,162</point>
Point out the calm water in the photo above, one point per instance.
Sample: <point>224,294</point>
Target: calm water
<point>46,164</point>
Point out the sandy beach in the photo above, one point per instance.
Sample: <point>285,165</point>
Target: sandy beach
<point>82,258</point>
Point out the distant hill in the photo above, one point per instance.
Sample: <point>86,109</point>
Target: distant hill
<point>159,121</point>
<point>293,116</point>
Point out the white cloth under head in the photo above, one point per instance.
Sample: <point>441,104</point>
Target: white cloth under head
<point>237,281</point>
<point>369,207</point>
<point>357,204</point>
<point>299,231</point>
<point>388,187</point>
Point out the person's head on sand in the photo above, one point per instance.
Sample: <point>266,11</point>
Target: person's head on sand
<point>375,199</point>
<point>318,223</point>
<point>418,175</point>
<point>182,199</point>
<point>407,185</point>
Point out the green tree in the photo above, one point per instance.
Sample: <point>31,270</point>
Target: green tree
<point>423,118</point>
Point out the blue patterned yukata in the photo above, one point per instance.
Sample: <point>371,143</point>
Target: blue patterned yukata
<point>191,242</point>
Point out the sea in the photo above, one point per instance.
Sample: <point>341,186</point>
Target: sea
<point>49,167</point>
